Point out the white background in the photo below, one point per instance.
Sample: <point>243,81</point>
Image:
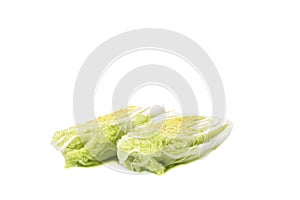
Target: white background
<point>255,46</point>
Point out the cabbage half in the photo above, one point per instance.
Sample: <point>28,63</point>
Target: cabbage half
<point>163,144</point>
<point>95,141</point>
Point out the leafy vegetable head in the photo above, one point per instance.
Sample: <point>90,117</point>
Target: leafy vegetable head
<point>91,143</point>
<point>163,144</point>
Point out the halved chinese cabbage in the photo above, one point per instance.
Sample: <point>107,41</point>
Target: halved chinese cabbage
<point>91,143</point>
<point>163,144</point>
